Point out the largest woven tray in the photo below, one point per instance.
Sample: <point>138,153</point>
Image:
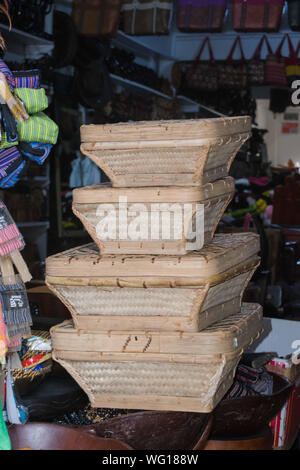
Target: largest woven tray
<point>154,292</point>
<point>165,153</point>
<point>174,381</point>
<point>158,220</point>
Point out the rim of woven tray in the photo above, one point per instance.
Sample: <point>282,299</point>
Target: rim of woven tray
<point>145,282</point>
<point>105,193</point>
<point>223,330</point>
<point>183,130</point>
<point>224,252</point>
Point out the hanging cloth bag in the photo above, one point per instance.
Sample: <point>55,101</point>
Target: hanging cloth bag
<point>275,68</point>
<point>202,75</point>
<point>293,63</point>
<point>256,66</point>
<point>233,74</point>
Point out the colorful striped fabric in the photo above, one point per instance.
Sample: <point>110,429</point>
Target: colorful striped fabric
<point>13,176</point>
<point>8,74</point>
<point>27,79</point>
<point>7,157</point>
<point>38,128</point>
<point>5,143</point>
<point>34,101</point>
<point>35,151</point>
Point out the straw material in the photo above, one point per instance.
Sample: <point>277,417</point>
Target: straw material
<point>224,337</point>
<point>165,153</point>
<point>85,266</point>
<point>179,382</point>
<point>188,309</point>
<point>160,234</point>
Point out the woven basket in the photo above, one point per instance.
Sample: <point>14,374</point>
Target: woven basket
<point>162,220</point>
<point>178,381</point>
<point>165,153</point>
<point>163,293</point>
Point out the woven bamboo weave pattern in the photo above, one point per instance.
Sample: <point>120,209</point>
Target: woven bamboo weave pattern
<point>132,301</point>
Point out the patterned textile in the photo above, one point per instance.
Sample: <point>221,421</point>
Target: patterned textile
<point>5,144</point>
<point>7,157</point>
<point>27,79</point>
<point>38,128</point>
<point>35,151</point>
<point>13,176</point>
<point>8,74</point>
<point>34,101</point>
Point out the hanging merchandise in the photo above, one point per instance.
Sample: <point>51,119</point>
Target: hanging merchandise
<point>84,173</point>
<point>3,341</point>
<point>202,75</point>
<point>257,15</point>
<point>35,151</point>
<point>233,73</point>
<point>201,15</point>
<point>256,66</point>
<point>293,64</point>
<point>27,79</point>
<point>275,68</point>
<point>294,14</point>
<point>5,443</point>
<point>8,74</point>
<point>96,17</point>
<point>140,17</point>
<point>38,128</point>
<point>34,100</point>
<point>16,413</point>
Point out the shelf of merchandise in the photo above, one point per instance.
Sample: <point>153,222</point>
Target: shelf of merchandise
<point>25,44</point>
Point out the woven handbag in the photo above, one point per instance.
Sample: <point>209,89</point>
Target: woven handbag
<point>233,74</point>
<point>203,75</point>
<point>293,63</point>
<point>97,17</point>
<point>143,17</point>
<point>201,15</point>
<point>294,14</point>
<point>275,68</point>
<point>257,15</point>
<point>256,66</point>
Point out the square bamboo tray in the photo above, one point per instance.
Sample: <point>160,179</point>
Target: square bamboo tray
<point>160,293</point>
<point>166,153</point>
<point>165,217</point>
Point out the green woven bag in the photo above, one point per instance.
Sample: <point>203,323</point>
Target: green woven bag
<point>38,128</point>
<point>34,101</point>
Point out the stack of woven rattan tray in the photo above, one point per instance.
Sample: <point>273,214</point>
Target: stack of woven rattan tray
<point>157,322</point>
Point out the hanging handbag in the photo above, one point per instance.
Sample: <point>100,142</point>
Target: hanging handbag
<point>256,66</point>
<point>233,74</point>
<point>202,75</point>
<point>294,14</point>
<point>257,15</point>
<point>293,63</point>
<point>201,15</point>
<point>143,17</point>
<point>97,17</point>
<point>275,68</point>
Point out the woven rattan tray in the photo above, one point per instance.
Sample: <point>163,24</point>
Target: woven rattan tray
<point>165,153</point>
<point>152,220</point>
<point>160,292</point>
<point>177,381</point>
